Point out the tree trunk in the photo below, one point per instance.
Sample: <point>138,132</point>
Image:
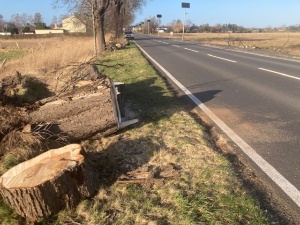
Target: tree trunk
<point>52,181</point>
<point>100,33</point>
<point>90,108</point>
<point>94,29</point>
<point>100,11</point>
<point>118,27</point>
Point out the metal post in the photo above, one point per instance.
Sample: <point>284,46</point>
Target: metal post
<point>183,23</point>
<point>159,16</point>
<point>185,6</point>
<point>158,27</point>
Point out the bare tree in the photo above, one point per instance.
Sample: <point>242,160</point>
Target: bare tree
<point>187,25</point>
<point>1,23</point>
<point>37,18</point>
<point>21,20</point>
<point>124,13</point>
<point>97,10</point>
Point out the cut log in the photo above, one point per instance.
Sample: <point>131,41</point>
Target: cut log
<point>54,180</point>
<point>90,108</point>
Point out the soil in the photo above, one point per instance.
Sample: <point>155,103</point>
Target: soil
<point>24,133</point>
<point>11,119</point>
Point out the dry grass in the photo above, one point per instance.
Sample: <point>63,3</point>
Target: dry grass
<point>279,42</point>
<point>46,55</point>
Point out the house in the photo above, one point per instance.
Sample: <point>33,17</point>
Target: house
<point>73,25</point>
<point>49,31</point>
<point>281,29</point>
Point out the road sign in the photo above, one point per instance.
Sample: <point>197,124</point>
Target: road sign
<point>185,5</point>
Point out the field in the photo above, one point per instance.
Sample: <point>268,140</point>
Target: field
<point>42,56</point>
<point>201,185</point>
<point>274,42</point>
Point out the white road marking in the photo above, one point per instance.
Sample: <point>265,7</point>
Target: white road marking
<point>252,53</point>
<point>269,170</point>
<point>177,46</point>
<point>164,42</point>
<point>282,74</point>
<point>191,50</point>
<point>221,58</point>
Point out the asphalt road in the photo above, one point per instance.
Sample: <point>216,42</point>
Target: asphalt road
<point>257,97</point>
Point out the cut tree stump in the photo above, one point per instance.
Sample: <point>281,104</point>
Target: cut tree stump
<point>52,181</point>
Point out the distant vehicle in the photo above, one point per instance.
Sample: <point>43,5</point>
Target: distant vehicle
<point>129,35</point>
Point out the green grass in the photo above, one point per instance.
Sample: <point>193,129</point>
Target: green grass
<point>11,54</point>
<point>142,84</point>
<point>206,191</point>
<point>7,216</point>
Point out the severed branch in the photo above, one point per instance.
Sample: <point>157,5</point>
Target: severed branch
<point>43,131</point>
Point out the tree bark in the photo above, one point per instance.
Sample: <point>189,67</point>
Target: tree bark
<point>90,108</point>
<point>100,10</point>
<point>118,25</point>
<point>52,181</point>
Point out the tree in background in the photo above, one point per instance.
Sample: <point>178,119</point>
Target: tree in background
<point>103,16</point>
<point>53,23</point>
<point>38,21</point>
<point>187,25</point>
<point>177,26</point>
<point>37,18</point>
<point>152,25</point>
<point>122,14</point>
<point>11,27</point>
<point>25,23</point>
<point>40,26</point>
<point>26,29</point>
<point>1,23</point>
<point>21,20</point>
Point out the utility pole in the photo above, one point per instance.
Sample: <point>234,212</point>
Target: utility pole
<point>185,6</point>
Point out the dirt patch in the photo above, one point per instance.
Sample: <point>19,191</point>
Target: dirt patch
<point>19,90</point>
<point>11,118</point>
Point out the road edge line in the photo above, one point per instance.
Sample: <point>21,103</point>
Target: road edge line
<point>288,188</point>
<point>281,74</point>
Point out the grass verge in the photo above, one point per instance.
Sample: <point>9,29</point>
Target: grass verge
<point>204,189</point>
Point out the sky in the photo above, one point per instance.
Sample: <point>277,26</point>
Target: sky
<point>247,13</point>
<point>30,7</point>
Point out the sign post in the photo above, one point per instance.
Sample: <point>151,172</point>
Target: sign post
<point>185,6</point>
<point>159,17</point>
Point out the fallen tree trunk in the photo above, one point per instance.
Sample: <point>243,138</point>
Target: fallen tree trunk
<point>90,108</point>
<point>50,182</point>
